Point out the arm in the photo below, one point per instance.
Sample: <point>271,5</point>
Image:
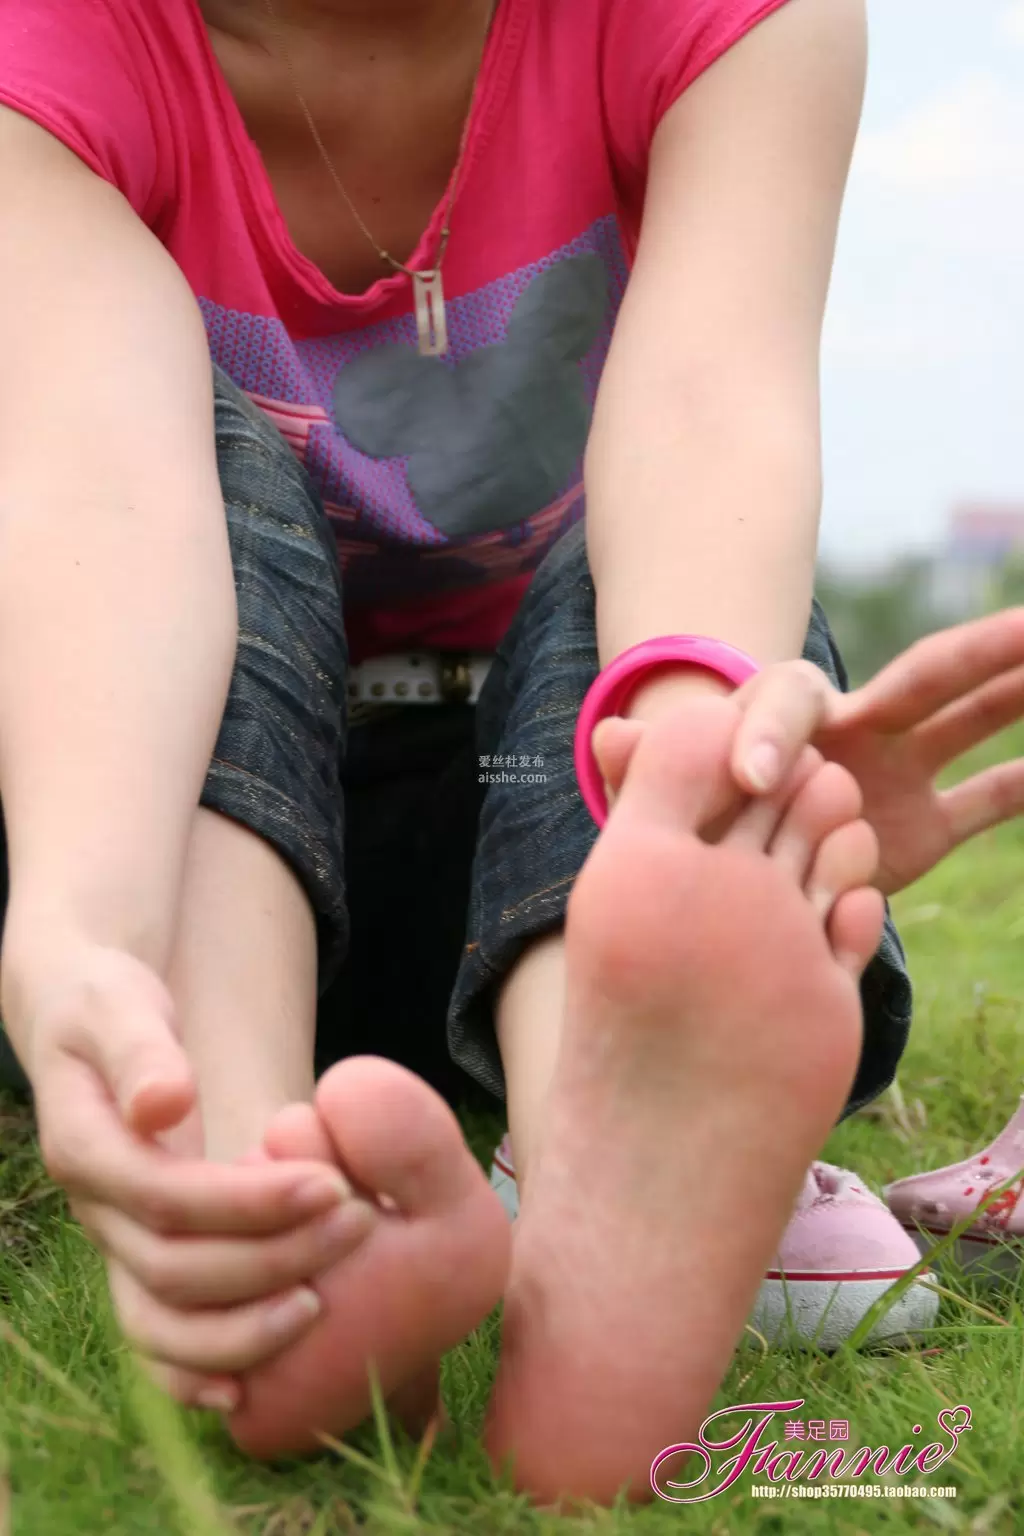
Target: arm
<point>117,617</point>
<point>703,468</point>
<point>117,635</point>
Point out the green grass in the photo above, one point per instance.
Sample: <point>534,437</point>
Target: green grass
<point>86,1447</point>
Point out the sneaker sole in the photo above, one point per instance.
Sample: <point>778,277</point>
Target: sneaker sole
<point>980,1255</point>
<point>822,1310</point>
<point>503,1183</point>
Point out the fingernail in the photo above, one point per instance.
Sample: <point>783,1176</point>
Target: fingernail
<point>219,1399</point>
<point>321,1193</point>
<point>296,1309</point>
<point>345,1225</point>
<point>763,764</point>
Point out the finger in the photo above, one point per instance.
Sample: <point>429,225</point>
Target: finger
<point>829,799</point>
<point>783,708</point>
<point>984,801</point>
<point>963,725</point>
<point>855,929</point>
<point>89,1152</point>
<point>220,1341</point>
<point>937,671</point>
<point>221,1394</point>
<point>189,1272</point>
<point>119,1019</point>
<point>846,860</point>
<point>760,819</point>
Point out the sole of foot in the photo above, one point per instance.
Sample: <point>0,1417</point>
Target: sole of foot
<point>432,1268</point>
<point>710,1040</point>
<point>841,1253</point>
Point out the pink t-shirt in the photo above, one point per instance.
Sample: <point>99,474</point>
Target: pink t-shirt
<point>446,480</point>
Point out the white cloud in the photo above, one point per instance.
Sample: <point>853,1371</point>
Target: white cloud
<point>974,132</point>
<point>1011,23</point>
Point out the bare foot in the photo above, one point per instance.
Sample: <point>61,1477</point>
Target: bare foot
<point>711,1037</point>
<point>430,1271</point>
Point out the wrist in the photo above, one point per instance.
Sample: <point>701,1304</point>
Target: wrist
<point>666,686</point>
<point>49,911</point>
<point>48,959</point>
<point>36,962</point>
<point>618,686</point>
<point>82,1000</point>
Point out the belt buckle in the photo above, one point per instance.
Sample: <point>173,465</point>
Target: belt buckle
<point>456,680</point>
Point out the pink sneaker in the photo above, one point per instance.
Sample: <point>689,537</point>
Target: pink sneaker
<point>841,1251</point>
<point>929,1204</point>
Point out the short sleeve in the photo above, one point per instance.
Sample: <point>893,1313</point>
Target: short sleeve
<point>79,69</point>
<point>652,51</point>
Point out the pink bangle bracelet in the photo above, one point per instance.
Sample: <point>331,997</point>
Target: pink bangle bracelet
<point>613,688</point>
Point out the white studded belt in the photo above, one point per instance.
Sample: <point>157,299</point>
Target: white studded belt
<point>419,677</point>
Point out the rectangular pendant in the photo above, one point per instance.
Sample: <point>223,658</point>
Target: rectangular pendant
<point>431,319</point>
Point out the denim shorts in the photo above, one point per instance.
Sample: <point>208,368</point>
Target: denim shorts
<point>437,842</point>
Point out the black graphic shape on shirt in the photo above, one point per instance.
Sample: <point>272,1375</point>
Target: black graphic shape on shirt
<point>495,439</point>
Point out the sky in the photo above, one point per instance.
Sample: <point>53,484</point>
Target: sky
<point>923,382</point>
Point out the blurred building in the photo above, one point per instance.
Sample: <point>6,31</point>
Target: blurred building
<point>982,540</point>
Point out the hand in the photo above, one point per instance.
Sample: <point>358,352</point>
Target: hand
<point>943,696</point>
<point>206,1260</point>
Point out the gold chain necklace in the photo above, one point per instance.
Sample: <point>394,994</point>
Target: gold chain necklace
<point>427,285</point>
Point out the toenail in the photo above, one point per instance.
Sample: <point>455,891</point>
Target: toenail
<point>319,1194</point>
<point>763,766</point>
<point>346,1224</point>
<point>307,1300</point>
<point>822,902</point>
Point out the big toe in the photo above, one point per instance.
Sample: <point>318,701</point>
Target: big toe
<point>396,1137</point>
<point>613,744</point>
<point>679,774</point>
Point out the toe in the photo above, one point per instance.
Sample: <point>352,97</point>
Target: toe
<point>855,929</point>
<point>828,798</point>
<point>298,1131</point>
<point>845,860</point>
<point>679,774</point>
<point>761,820</point>
<point>395,1136</point>
<point>614,743</point>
